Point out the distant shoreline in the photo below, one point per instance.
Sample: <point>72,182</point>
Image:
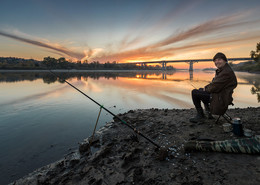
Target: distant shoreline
<point>110,71</point>
<point>84,70</point>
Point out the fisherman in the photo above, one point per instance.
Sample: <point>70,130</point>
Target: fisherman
<point>217,95</point>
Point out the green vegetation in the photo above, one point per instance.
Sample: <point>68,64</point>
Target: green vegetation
<point>256,54</point>
<point>256,90</point>
<point>18,63</point>
<point>62,63</point>
<point>250,66</point>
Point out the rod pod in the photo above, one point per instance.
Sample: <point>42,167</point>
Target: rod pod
<point>134,129</point>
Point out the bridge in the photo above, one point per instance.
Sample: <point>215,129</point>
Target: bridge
<point>190,61</point>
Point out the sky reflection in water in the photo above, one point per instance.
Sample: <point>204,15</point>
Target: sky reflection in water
<point>161,90</point>
<point>42,118</point>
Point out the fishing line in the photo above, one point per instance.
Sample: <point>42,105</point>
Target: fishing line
<point>192,85</point>
<point>122,121</point>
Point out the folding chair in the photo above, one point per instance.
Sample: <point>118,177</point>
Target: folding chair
<point>225,116</point>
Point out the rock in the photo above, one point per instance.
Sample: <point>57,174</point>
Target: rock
<point>217,183</point>
<point>84,148</point>
<point>74,162</point>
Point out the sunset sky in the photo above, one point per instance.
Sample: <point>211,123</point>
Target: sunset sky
<point>124,31</point>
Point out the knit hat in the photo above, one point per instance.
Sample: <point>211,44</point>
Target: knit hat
<point>221,56</point>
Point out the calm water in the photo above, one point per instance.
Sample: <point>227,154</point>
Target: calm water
<point>42,119</point>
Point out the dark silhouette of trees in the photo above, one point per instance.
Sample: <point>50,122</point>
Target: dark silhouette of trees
<point>18,63</point>
<point>256,54</point>
<point>50,62</point>
<point>62,63</point>
<point>256,90</point>
<point>251,66</point>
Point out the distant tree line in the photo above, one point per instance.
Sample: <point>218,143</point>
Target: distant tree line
<point>62,63</point>
<point>256,54</point>
<point>18,63</point>
<point>250,66</point>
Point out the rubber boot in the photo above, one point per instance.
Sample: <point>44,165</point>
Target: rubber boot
<point>208,113</point>
<point>199,117</point>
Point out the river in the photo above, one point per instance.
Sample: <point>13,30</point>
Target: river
<point>43,118</point>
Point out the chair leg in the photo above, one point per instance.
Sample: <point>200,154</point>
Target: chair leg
<point>228,120</point>
<point>217,119</point>
<point>226,117</point>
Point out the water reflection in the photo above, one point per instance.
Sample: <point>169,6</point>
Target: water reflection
<point>32,97</point>
<point>256,90</point>
<point>195,79</point>
<point>50,78</point>
<point>35,105</point>
<point>254,80</point>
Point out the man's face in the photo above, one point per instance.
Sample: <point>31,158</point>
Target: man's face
<point>219,62</point>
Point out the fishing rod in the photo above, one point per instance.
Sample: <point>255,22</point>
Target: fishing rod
<point>101,106</point>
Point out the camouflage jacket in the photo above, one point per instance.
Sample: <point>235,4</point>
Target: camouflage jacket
<point>221,90</point>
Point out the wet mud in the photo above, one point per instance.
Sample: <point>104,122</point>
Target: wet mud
<point>118,155</point>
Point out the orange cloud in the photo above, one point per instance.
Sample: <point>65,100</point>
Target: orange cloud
<point>163,49</point>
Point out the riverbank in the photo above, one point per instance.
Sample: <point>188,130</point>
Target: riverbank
<point>116,157</point>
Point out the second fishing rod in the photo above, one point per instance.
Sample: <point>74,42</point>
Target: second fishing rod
<point>117,117</point>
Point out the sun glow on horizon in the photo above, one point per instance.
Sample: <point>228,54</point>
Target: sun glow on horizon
<point>128,38</point>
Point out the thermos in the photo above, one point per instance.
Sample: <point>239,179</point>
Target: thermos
<point>237,127</point>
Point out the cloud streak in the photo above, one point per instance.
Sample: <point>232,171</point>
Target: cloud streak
<point>167,19</point>
<point>60,49</point>
<point>165,47</point>
<point>135,48</point>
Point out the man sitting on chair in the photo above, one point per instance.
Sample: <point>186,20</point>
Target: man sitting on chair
<point>218,93</point>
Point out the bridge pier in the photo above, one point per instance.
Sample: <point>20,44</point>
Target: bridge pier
<point>164,76</point>
<point>191,66</point>
<point>191,75</point>
<point>164,67</point>
<point>143,76</point>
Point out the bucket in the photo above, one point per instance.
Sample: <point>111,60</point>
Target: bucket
<point>248,132</point>
<point>227,127</point>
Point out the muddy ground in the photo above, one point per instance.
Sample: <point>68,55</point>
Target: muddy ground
<point>117,156</point>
